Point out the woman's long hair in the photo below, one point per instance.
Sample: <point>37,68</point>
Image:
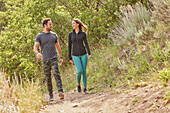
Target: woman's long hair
<point>81,25</point>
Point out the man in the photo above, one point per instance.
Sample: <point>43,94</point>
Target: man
<point>48,42</point>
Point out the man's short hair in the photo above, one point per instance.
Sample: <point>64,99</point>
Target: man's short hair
<point>45,21</point>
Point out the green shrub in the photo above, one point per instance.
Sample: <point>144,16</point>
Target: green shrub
<point>133,24</point>
<point>165,74</point>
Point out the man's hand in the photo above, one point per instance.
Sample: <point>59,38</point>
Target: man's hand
<point>39,55</point>
<point>36,45</point>
<point>61,61</point>
<point>71,61</point>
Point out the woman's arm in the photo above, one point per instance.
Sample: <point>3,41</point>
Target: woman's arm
<point>86,44</point>
<point>69,48</point>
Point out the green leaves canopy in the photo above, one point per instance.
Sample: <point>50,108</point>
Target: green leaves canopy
<point>21,22</point>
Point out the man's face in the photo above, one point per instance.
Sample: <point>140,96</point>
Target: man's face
<point>49,26</point>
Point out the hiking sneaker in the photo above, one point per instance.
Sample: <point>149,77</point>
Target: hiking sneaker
<point>79,88</point>
<point>51,98</point>
<point>61,95</point>
<point>85,91</point>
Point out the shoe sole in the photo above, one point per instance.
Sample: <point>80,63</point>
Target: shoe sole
<point>79,90</point>
<point>86,92</point>
<point>61,96</point>
<point>51,99</point>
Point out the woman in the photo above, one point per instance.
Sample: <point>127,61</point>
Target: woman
<point>79,54</point>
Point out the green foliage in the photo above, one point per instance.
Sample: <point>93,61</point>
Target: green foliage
<point>21,22</point>
<point>24,23</point>
<point>142,36</point>
<point>97,14</point>
<point>128,64</point>
<point>134,23</point>
<point>167,95</point>
<point>136,100</point>
<point>101,67</point>
<point>165,74</point>
<point>2,9</point>
<point>161,10</point>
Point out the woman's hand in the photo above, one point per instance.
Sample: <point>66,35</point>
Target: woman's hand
<point>89,56</point>
<point>71,61</point>
<point>39,55</point>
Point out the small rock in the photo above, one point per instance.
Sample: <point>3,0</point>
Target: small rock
<point>159,97</point>
<point>146,90</point>
<point>156,100</point>
<point>100,111</point>
<point>126,104</point>
<point>145,101</point>
<point>61,111</point>
<point>100,94</point>
<point>75,106</point>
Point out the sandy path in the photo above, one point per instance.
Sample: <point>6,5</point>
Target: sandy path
<point>146,99</point>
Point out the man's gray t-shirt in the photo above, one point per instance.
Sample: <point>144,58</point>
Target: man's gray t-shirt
<point>47,43</point>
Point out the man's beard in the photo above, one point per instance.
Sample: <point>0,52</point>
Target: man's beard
<point>49,29</point>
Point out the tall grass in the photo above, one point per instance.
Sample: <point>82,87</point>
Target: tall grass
<point>26,97</point>
<point>68,75</point>
<point>143,42</point>
<point>134,22</point>
<point>138,52</point>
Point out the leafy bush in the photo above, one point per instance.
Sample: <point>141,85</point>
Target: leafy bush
<point>17,40</point>
<point>21,20</point>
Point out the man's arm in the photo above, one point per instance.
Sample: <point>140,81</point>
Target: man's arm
<point>59,52</point>
<point>58,49</point>
<point>36,46</point>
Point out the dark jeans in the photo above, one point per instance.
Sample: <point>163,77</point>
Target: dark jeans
<point>48,66</point>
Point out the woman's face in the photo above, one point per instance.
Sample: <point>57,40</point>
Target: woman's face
<point>75,25</point>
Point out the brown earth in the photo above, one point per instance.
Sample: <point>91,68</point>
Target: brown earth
<point>148,99</point>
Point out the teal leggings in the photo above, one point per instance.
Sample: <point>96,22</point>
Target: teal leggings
<point>81,64</point>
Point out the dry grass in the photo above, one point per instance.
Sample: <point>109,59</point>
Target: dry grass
<point>20,98</point>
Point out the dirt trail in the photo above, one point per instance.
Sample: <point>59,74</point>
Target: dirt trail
<point>146,99</point>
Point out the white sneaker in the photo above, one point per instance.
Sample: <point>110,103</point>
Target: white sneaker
<point>51,98</point>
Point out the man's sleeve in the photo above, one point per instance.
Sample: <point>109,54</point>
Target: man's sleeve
<point>56,41</point>
<point>37,39</point>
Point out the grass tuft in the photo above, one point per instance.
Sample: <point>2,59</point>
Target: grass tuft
<point>26,97</point>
